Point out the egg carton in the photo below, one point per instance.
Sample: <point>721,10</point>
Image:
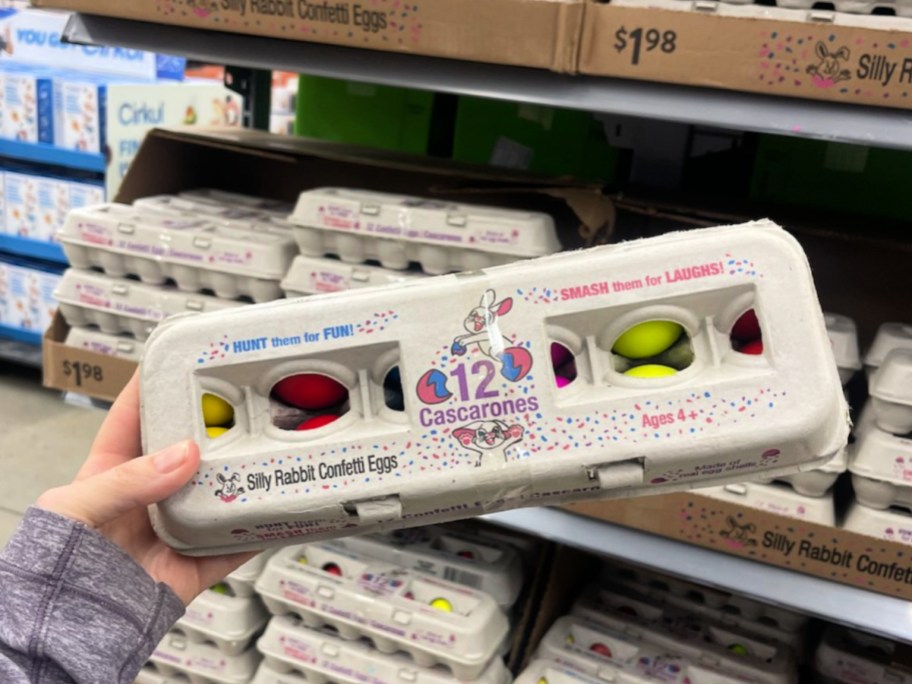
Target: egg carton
<point>229,622</point>
<point>845,655</point>
<point>881,468</point>
<point>314,275</point>
<point>102,343</point>
<point>892,524</point>
<point>680,631</point>
<point>843,334</point>
<point>891,392</point>
<point>267,674</point>
<point>484,425</point>
<point>541,671</point>
<point>902,8</point>
<point>434,621</point>
<point>396,230</point>
<point>623,658</point>
<point>495,569</point>
<point>322,657</point>
<point>197,208</point>
<point>235,199</point>
<point>660,586</point>
<point>118,305</point>
<point>819,482</point>
<point>241,582</point>
<point>149,675</point>
<point>866,420</point>
<point>197,254</point>
<point>177,656</point>
<point>890,336</point>
<point>778,499</point>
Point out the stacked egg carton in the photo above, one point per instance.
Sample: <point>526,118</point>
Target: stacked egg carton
<point>807,495</point>
<point>125,260</point>
<point>881,460</point>
<point>636,626</point>
<point>846,656</point>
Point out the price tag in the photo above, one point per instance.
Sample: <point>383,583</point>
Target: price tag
<point>639,41</point>
<point>83,373</point>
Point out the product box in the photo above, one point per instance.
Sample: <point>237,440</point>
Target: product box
<point>35,206</point>
<point>821,55</point>
<point>280,167</point>
<point>21,204</point>
<point>477,30</point>
<point>26,293</point>
<point>27,101</point>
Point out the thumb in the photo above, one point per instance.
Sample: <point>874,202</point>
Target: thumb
<point>142,481</point>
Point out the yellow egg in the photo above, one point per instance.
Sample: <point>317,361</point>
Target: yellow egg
<point>647,339</point>
<point>651,370</point>
<point>442,604</point>
<point>215,432</point>
<point>216,411</point>
<point>221,588</point>
<point>569,639</point>
<point>303,560</point>
<point>542,680</point>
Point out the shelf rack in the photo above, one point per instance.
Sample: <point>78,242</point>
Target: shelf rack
<point>42,153</point>
<point>47,251</point>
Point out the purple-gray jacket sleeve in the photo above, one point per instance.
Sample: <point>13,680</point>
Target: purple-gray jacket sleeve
<point>74,607</point>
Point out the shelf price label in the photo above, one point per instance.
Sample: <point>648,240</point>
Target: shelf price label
<point>83,373</point>
<point>641,40</point>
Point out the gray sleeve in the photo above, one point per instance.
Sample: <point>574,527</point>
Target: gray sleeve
<point>74,607</point>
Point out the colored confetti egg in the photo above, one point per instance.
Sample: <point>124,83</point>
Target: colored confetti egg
<point>468,555</point>
<point>601,649</point>
<point>560,355</point>
<point>651,370</point>
<point>747,327</point>
<point>221,588</point>
<point>442,604</point>
<point>216,411</point>
<point>333,569</point>
<point>647,339</point>
<point>754,347</point>
<point>216,432</point>
<point>317,422</point>
<point>738,649</point>
<point>310,391</point>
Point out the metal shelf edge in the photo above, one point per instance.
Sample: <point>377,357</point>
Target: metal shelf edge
<point>47,251</point>
<point>42,153</point>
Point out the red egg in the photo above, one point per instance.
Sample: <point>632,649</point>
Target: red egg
<point>601,649</point>
<point>467,554</point>
<point>310,391</point>
<point>747,327</point>
<point>317,422</point>
<point>333,569</point>
<point>754,347</point>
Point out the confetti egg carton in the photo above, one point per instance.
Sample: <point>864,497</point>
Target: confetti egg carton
<point>891,392</point>
<point>779,499</point>
<point>681,632</point>
<point>322,657</point>
<point>99,342</point>
<point>231,216</point>
<point>843,334</point>
<point>178,657</point>
<point>495,569</point>
<point>901,8</point>
<point>541,671</point>
<point>848,656</point>
<point>118,305</point>
<point>881,470</point>
<point>434,621</point>
<point>889,336</point>
<point>234,199</point>
<point>521,392</point>
<point>658,585</point>
<point>817,483</point>
<point>892,524</point>
<point>314,275</point>
<point>150,675</point>
<point>229,622</point>
<point>197,254</point>
<point>241,582</point>
<point>613,656</point>
<point>397,230</point>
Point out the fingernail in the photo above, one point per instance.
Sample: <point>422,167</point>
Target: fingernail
<point>171,458</point>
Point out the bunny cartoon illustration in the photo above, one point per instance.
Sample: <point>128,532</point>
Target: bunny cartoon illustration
<point>485,437</point>
<point>739,535</point>
<point>229,490</point>
<point>829,71</point>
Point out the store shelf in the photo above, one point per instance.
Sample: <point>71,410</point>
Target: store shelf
<point>41,153</point>
<point>725,109</point>
<point>875,613</point>
<point>47,251</point>
<point>20,346</point>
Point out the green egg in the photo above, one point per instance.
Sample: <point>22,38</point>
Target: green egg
<point>647,339</point>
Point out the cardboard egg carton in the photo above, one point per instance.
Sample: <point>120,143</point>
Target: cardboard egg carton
<point>779,499</point>
<point>891,392</point>
<point>321,656</point>
<point>495,569</point>
<point>434,621</point>
<point>178,657</point>
<point>541,671</point>
<point>843,334</point>
<point>118,305</point>
<point>197,254</point>
<point>241,582</point>
<point>890,336</point>
<point>396,230</point>
<point>100,342</point>
<point>686,634</point>
<point>891,524</point>
<point>818,482</point>
<point>851,657</point>
<point>314,275</point>
<point>229,622</point>
<point>664,587</point>
<point>229,215</point>
<point>267,674</point>
<point>881,468</point>
<point>236,199</point>
<point>613,656</point>
<point>485,426</point>
<point>902,8</point>
<point>149,675</point>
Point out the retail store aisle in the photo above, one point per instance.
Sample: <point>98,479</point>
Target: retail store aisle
<point>43,441</point>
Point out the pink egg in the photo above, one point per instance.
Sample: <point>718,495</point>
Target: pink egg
<point>560,355</point>
<point>310,391</point>
<point>562,381</point>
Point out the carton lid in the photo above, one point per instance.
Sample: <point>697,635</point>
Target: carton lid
<point>893,380</point>
<point>890,336</point>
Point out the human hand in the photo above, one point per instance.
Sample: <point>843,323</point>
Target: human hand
<point>115,485</point>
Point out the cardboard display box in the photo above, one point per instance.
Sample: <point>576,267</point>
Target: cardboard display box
<point>280,167</point>
<point>810,54</point>
<point>477,30</point>
<point>827,552</point>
